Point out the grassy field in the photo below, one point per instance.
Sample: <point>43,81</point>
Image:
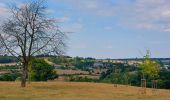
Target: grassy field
<point>77,91</point>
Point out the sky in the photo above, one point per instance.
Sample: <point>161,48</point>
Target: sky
<point>110,28</point>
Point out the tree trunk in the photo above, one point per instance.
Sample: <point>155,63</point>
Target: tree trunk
<point>24,75</point>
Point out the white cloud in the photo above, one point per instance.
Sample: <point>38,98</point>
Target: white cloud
<point>148,14</point>
<point>50,11</point>
<point>3,10</point>
<point>108,28</point>
<point>72,28</point>
<point>141,14</point>
<point>147,26</point>
<point>167,30</point>
<point>63,19</point>
<point>97,7</point>
<point>108,47</point>
<point>82,46</point>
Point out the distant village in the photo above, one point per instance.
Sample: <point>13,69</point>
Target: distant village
<point>165,62</point>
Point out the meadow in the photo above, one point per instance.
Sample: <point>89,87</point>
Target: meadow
<point>77,91</point>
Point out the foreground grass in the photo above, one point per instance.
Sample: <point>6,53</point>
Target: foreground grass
<point>76,91</point>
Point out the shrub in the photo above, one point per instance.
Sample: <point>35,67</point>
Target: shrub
<point>39,70</point>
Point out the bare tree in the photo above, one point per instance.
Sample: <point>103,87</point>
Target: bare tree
<point>29,32</point>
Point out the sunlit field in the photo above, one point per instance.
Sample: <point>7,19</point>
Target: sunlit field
<point>77,91</point>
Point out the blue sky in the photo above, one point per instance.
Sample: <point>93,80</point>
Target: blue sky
<point>111,28</point>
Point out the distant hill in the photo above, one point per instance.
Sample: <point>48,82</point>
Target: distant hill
<point>165,61</point>
<point>136,59</point>
<point>8,59</point>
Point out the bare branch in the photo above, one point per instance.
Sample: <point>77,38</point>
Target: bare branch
<point>29,32</point>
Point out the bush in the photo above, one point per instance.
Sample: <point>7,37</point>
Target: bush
<point>82,79</point>
<point>9,77</point>
<point>39,70</point>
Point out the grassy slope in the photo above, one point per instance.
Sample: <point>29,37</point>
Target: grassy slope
<point>76,91</point>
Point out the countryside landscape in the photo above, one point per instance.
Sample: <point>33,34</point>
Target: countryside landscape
<point>84,50</point>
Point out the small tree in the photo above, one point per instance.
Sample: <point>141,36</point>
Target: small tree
<point>29,32</point>
<point>149,68</point>
<point>41,70</point>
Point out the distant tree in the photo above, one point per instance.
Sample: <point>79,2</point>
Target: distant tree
<point>83,63</point>
<point>29,32</point>
<point>9,77</point>
<point>164,79</point>
<point>39,70</point>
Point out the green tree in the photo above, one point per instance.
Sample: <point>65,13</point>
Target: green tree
<point>149,68</point>
<point>39,70</point>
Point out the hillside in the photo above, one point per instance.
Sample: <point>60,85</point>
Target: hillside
<point>76,91</point>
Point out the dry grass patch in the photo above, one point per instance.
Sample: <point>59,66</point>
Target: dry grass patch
<point>76,91</point>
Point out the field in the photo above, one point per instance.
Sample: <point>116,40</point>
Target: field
<point>77,91</point>
<point>7,64</point>
<point>61,72</point>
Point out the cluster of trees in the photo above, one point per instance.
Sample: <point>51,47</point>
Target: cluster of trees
<point>78,62</point>
<point>118,74</point>
<point>11,73</point>
<point>164,79</point>
<point>39,70</point>
<point>148,70</point>
<point>10,77</point>
<point>83,63</point>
